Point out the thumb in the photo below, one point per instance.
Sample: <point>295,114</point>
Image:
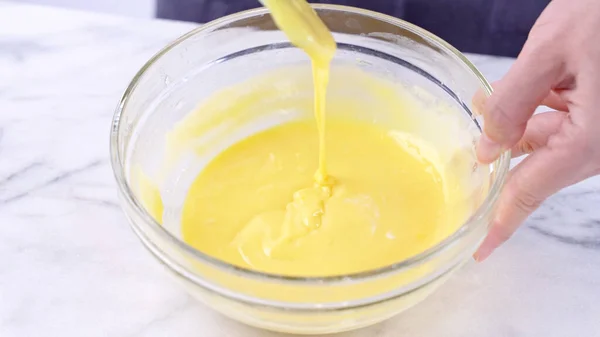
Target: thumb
<point>515,98</point>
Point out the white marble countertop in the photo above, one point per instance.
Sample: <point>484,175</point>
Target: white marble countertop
<point>70,265</point>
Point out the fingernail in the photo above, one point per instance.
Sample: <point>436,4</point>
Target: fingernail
<point>483,253</point>
<point>489,244</point>
<point>479,102</point>
<point>488,150</point>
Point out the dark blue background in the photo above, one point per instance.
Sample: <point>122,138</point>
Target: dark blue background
<point>497,27</point>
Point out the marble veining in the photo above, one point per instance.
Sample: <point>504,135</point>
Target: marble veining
<point>580,208</point>
<point>70,265</point>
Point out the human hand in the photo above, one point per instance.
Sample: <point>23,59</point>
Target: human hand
<point>559,67</point>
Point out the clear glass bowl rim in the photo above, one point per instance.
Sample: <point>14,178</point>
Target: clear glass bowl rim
<point>126,191</point>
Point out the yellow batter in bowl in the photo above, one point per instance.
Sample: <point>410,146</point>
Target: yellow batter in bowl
<point>251,205</point>
<point>374,199</point>
<point>305,200</point>
<point>390,194</point>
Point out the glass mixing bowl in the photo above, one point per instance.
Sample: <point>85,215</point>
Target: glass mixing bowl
<point>248,44</point>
